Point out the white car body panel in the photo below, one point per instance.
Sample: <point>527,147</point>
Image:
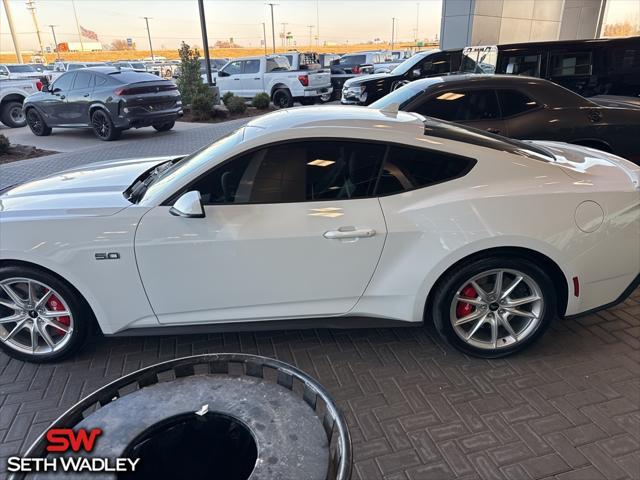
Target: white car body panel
<point>265,262</point>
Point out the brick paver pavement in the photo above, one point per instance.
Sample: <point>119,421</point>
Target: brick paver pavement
<point>567,408</point>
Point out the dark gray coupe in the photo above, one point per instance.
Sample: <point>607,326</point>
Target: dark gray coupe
<point>525,108</point>
<point>106,99</point>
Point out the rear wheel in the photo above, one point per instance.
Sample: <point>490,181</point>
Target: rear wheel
<point>41,317</point>
<point>282,98</point>
<point>12,115</point>
<point>103,126</point>
<point>36,123</point>
<point>164,127</point>
<point>493,307</point>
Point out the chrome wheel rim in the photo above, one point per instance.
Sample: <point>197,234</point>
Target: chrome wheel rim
<point>17,115</point>
<point>34,318</point>
<point>101,125</point>
<point>34,121</point>
<point>497,309</point>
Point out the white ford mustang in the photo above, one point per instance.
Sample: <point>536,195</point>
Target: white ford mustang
<point>320,217</point>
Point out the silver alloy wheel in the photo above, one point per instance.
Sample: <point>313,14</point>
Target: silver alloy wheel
<point>17,115</point>
<point>497,309</point>
<point>33,328</point>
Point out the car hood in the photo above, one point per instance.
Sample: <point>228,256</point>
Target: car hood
<point>366,78</point>
<point>91,190</point>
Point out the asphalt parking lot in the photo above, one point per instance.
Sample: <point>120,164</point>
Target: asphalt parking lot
<point>568,408</point>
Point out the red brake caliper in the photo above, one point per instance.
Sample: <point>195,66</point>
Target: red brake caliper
<point>463,308</point>
<point>54,304</point>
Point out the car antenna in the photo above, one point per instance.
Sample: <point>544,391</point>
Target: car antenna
<point>391,109</point>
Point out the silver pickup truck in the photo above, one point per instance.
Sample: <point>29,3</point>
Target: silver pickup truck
<point>12,94</point>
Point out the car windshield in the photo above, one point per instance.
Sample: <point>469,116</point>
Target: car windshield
<point>139,66</point>
<point>21,69</point>
<point>403,95</point>
<point>178,170</point>
<point>407,65</point>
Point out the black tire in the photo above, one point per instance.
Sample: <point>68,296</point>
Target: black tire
<point>12,115</point>
<point>282,98</point>
<point>443,307</point>
<point>164,127</point>
<point>103,126</point>
<point>327,97</point>
<point>37,124</point>
<point>81,315</point>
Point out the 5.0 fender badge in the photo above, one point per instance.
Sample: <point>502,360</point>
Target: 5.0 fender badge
<point>107,256</point>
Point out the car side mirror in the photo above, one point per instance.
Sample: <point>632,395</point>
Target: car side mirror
<point>222,73</point>
<point>45,87</point>
<point>188,205</point>
<point>416,72</point>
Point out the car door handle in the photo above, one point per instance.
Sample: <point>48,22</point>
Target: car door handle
<point>236,79</point>
<point>349,232</point>
<point>86,94</point>
<point>256,78</point>
<point>62,97</point>
<point>493,130</point>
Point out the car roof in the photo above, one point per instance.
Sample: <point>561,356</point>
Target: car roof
<point>486,79</point>
<point>338,117</point>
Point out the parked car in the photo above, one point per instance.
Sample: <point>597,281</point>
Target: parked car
<point>369,88</point>
<point>325,214</point>
<point>215,63</point>
<point>524,108</point>
<point>16,71</point>
<point>605,66</point>
<point>272,74</point>
<point>70,66</point>
<point>12,94</point>
<point>364,62</point>
<point>130,65</point>
<point>106,99</point>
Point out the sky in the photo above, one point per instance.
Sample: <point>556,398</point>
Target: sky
<point>172,21</point>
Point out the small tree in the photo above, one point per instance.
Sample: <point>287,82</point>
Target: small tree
<point>190,83</point>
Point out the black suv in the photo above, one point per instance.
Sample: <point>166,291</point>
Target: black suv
<point>106,99</point>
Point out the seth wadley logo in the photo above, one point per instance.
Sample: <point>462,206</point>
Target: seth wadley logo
<point>61,440</point>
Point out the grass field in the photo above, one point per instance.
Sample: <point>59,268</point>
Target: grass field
<point>107,55</point>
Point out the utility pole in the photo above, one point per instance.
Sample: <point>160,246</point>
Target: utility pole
<point>14,37</point>
<point>55,41</point>
<point>31,6</point>
<point>393,31</point>
<point>75,14</point>
<point>264,36</point>
<point>417,21</point>
<point>205,41</point>
<point>284,33</point>
<point>317,23</point>
<point>310,27</point>
<point>146,19</point>
<point>273,28</point>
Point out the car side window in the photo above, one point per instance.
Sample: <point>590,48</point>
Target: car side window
<point>569,64</point>
<point>410,168</point>
<point>513,102</point>
<point>83,80</point>
<point>436,64</point>
<point>233,68</point>
<point>296,172</point>
<point>99,80</point>
<point>64,82</point>
<point>251,66</point>
<point>461,106</point>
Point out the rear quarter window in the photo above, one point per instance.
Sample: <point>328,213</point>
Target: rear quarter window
<point>129,76</point>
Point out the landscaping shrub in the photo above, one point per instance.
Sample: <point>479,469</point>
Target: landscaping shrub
<point>237,105</point>
<point>226,97</point>
<point>190,83</point>
<point>4,144</point>
<point>202,105</point>
<point>261,101</point>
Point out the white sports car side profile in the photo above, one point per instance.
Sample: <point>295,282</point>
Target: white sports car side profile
<point>322,217</point>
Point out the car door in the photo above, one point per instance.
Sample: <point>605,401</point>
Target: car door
<point>229,78</point>
<point>251,78</point>
<point>477,108</point>
<point>54,105</point>
<point>79,98</point>
<point>524,117</point>
<point>290,230</point>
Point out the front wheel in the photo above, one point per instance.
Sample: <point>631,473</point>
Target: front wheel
<point>12,115</point>
<point>103,126</point>
<point>41,317</point>
<point>164,127</point>
<point>494,307</point>
<point>36,123</point>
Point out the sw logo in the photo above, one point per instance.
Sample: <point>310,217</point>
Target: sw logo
<point>65,439</point>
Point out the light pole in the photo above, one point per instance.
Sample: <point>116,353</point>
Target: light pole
<point>310,27</point>
<point>75,14</point>
<point>205,42</point>
<point>55,41</point>
<point>273,28</point>
<point>284,33</point>
<point>32,8</point>
<point>146,19</point>
<point>14,37</point>
<point>393,30</point>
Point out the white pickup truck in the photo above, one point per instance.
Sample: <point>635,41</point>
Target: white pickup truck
<point>272,74</point>
<point>12,94</point>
